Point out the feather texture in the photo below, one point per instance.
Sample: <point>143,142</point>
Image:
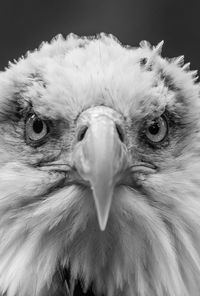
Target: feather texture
<point>151,245</point>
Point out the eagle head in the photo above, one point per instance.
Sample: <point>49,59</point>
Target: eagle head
<point>99,171</point>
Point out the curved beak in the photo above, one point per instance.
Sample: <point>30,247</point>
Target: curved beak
<point>99,158</point>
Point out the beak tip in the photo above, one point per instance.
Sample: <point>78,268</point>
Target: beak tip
<point>102,224</point>
<point>103,204</point>
<point>102,217</point>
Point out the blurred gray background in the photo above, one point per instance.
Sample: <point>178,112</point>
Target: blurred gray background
<point>24,24</point>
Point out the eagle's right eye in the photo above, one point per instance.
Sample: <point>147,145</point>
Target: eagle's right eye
<point>36,129</point>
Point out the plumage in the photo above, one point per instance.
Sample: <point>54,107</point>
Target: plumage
<point>99,171</point>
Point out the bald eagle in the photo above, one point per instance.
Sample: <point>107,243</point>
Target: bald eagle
<point>99,171</point>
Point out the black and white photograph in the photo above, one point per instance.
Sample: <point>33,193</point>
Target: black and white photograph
<point>99,148</point>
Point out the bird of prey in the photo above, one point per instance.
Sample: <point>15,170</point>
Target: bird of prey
<point>99,171</point>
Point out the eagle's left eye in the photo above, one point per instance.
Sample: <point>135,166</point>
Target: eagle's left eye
<point>156,131</point>
<point>36,129</point>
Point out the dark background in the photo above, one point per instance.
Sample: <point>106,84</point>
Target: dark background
<point>24,24</point>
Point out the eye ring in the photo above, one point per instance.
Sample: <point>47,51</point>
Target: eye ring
<point>36,129</point>
<point>157,130</point>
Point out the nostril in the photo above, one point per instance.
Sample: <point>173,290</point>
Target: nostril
<point>120,132</point>
<point>82,133</point>
<point>83,130</point>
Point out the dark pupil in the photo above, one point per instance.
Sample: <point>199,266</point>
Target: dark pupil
<point>37,126</point>
<point>154,128</point>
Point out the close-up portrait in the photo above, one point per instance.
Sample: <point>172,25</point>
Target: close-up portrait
<point>99,148</point>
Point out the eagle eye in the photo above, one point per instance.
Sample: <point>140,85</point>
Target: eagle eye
<point>36,129</point>
<point>157,130</point>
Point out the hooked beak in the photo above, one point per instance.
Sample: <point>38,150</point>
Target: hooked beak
<point>99,158</point>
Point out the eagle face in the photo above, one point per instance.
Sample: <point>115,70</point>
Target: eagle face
<point>99,172</point>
